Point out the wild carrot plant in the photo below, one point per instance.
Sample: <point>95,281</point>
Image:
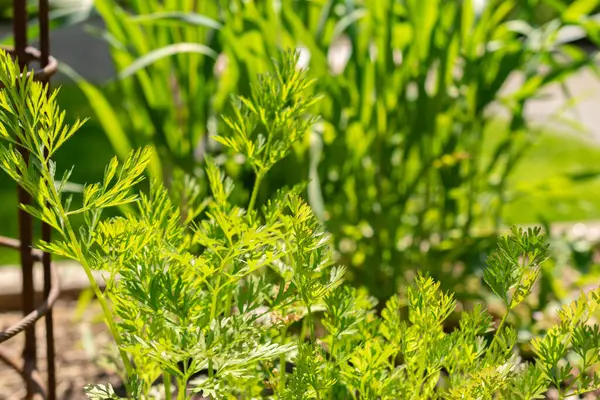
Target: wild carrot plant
<point>246,303</point>
<point>411,151</point>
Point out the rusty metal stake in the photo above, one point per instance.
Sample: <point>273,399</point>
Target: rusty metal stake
<point>46,229</point>
<point>25,222</point>
<point>28,370</point>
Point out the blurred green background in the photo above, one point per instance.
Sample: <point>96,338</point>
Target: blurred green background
<point>427,147</point>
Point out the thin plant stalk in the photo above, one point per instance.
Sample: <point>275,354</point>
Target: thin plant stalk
<point>259,177</point>
<point>108,315</point>
<point>282,366</point>
<point>167,385</point>
<point>182,389</point>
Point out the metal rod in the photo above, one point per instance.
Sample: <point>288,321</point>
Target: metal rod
<point>46,229</point>
<point>20,29</point>
<point>49,320</point>
<point>43,308</point>
<point>25,221</point>
<point>44,33</point>
<point>25,235</point>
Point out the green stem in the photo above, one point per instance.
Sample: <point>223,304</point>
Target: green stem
<point>215,296</point>
<point>502,321</point>
<point>259,177</point>
<point>304,328</point>
<point>213,315</point>
<point>565,392</point>
<point>228,301</point>
<point>282,372</point>
<point>181,390</point>
<point>167,384</point>
<point>311,324</point>
<point>332,349</point>
<point>317,393</point>
<point>108,316</point>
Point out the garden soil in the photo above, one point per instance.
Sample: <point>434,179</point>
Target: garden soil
<point>80,344</point>
<point>77,344</point>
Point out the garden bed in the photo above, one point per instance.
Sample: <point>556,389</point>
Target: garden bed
<point>76,343</point>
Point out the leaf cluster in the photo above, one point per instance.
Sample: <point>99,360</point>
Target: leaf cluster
<point>407,155</point>
<point>265,126</point>
<point>244,303</point>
